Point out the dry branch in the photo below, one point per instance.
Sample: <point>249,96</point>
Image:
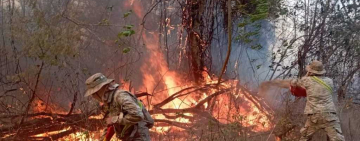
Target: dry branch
<point>39,123</point>
<point>174,123</point>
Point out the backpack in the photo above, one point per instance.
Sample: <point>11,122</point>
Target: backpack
<point>123,129</point>
<point>147,117</point>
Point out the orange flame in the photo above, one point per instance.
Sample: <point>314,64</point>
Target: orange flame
<point>155,68</point>
<point>249,113</point>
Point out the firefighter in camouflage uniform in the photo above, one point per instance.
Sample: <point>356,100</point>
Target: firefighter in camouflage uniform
<point>125,114</point>
<point>320,108</point>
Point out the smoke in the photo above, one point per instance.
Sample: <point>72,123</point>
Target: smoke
<point>272,91</point>
<point>249,65</point>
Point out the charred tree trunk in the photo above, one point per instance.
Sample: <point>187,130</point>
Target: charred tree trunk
<point>192,19</point>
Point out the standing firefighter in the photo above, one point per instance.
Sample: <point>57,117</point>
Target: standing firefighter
<point>125,114</point>
<point>320,108</point>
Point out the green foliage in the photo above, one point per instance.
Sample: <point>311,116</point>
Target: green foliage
<point>250,25</point>
<point>243,24</point>
<point>258,66</point>
<point>128,26</point>
<point>256,47</point>
<point>127,32</point>
<point>257,17</point>
<point>126,50</point>
<point>47,38</point>
<point>246,37</point>
<point>127,13</point>
<point>261,10</point>
<point>104,22</point>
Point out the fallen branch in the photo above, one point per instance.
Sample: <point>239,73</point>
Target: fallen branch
<point>39,123</point>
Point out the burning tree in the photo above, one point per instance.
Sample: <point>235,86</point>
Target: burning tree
<point>163,55</point>
<point>181,109</point>
<point>47,55</point>
<point>227,107</point>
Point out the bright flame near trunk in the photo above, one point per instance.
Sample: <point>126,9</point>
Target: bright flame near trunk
<point>234,106</point>
<point>225,111</point>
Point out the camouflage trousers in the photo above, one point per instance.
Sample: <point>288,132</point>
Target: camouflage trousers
<point>327,121</point>
<point>138,133</point>
<point>142,134</point>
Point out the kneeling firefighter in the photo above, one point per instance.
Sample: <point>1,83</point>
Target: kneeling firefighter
<point>125,114</point>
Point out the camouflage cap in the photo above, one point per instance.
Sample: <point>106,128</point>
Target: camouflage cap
<point>95,82</point>
<point>316,67</point>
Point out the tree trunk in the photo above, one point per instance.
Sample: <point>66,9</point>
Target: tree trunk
<point>196,9</point>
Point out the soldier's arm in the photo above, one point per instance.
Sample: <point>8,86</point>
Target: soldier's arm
<point>282,83</point>
<point>133,112</point>
<point>266,85</point>
<point>303,82</point>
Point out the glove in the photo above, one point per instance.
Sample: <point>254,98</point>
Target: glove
<point>109,133</point>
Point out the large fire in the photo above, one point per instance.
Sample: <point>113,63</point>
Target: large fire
<point>225,111</point>
<point>235,105</point>
<point>247,111</point>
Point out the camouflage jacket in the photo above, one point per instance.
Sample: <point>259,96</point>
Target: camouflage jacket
<point>319,98</point>
<point>118,103</point>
